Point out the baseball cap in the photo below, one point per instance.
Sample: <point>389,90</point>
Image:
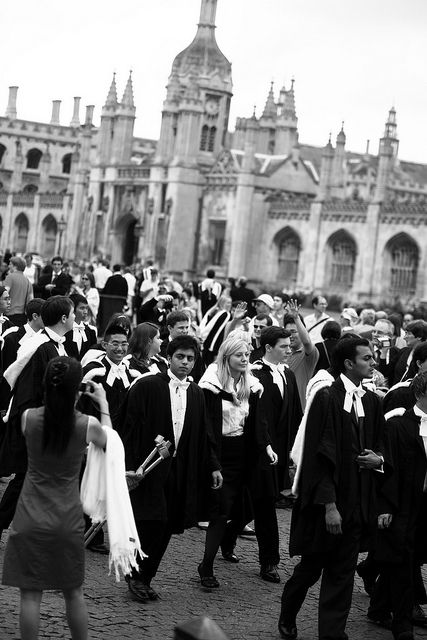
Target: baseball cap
<point>267,299</point>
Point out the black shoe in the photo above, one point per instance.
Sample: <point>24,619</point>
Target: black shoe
<point>384,622</point>
<point>142,592</point>
<point>269,573</point>
<point>230,556</point>
<point>419,618</point>
<point>289,632</point>
<point>99,548</point>
<point>405,635</point>
<point>208,582</point>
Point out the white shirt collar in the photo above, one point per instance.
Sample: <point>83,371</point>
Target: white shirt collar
<point>53,335</point>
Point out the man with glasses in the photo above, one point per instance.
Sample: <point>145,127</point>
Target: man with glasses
<point>386,354</point>
<point>415,333</point>
<point>111,372</point>
<point>261,321</point>
<point>114,376</point>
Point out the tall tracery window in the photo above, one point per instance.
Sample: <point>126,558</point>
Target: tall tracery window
<point>207,138</point>
<point>216,241</point>
<point>2,151</point>
<point>21,233</point>
<point>48,240</point>
<point>403,269</point>
<point>342,259</point>
<point>289,248</point>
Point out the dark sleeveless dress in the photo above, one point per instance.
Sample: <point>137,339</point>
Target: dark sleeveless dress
<point>45,549</point>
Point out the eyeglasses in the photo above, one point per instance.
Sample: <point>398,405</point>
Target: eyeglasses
<point>85,278</point>
<point>118,345</point>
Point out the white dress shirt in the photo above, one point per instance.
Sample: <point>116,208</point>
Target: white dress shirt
<point>178,395</point>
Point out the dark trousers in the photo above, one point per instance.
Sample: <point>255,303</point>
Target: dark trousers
<point>394,593</point>
<point>10,500</point>
<point>154,536</point>
<point>336,589</point>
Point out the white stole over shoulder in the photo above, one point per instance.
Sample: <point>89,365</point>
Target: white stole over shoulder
<point>105,496</point>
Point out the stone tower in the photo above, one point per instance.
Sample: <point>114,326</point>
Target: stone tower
<point>194,125</point>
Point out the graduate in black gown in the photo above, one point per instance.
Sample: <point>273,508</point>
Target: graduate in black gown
<point>281,408</point>
<point>401,543</point>
<point>82,337</point>
<point>25,378</point>
<point>336,508</point>
<point>167,501</point>
<point>144,350</point>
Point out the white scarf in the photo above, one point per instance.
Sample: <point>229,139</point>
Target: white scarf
<point>105,496</point>
<point>321,380</point>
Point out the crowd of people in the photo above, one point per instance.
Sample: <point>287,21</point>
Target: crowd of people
<point>261,409</point>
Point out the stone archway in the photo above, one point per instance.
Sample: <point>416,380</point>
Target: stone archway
<point>125,244</point>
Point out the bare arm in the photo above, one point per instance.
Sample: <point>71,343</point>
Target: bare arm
<point>292,310</point>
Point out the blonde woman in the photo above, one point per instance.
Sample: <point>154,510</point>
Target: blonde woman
<point>238,436</point>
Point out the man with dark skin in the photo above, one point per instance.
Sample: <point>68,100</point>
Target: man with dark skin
<point>336,492</point>
<point>166,501</point>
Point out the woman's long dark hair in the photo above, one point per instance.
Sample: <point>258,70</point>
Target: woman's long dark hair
<point>61,382</point>
<point>141,339</point>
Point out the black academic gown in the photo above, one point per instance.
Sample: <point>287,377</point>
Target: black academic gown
<point>27,393</point>
<point>330,473</point>
<point>400,396</point>
<point>402,493</point>
<point>172,491</point>
<point>283,415</point>
<point>71,347</point>
<point>116,393</point>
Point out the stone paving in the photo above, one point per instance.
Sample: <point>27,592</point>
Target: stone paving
<point>244,606</point>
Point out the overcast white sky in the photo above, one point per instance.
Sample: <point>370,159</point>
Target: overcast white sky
<point>351,60</point>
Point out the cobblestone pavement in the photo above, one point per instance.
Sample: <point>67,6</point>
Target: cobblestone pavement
<point>244,606</point>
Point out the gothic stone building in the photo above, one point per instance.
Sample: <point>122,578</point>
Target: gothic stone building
<point>256,201</point>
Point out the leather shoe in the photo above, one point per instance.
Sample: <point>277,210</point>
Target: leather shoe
<point>419,618</point>
<point>406,635</point>
<point>269,573</point>
<point>99,548</point>
<point>367,579</point>
<point>289,632</point>
<point>230,556</point>
<point>142,592</point>
<point>208,582</point>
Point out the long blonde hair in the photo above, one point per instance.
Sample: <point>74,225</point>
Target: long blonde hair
<point>229,347</point>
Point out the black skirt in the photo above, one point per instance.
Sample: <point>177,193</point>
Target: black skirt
<point>227,501</point>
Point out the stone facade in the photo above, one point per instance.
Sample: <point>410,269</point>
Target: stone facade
<point>256,201</point>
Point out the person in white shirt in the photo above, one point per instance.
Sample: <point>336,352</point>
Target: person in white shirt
<point>101,273</point>
<point>315,321</point>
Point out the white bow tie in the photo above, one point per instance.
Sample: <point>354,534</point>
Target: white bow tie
<point>356,396</point>
<point>59,342</point>
<point>180,384</point>
<point>423,426</point>
<point>118,372</point>
<point>79,335</point>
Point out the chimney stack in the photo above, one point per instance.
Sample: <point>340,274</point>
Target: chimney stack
<point>11,105</point>
<point>89,114</point>
<point>56,105</point>
<point>75,121</point>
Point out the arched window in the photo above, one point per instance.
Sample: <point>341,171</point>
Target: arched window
<point>204,138</point>
<point>2,151</point>
<point>33,158</point>
<point>48,241</point>
<point>30,188</point>
<point>211,139</point>
<point>21,233</point>
<point>402,257</point>
<point>66,163</point>
<point>341,261</point>
<point>289,248</point>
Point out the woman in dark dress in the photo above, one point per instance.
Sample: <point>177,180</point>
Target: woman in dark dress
<point>238,436</point>
<point>45,549</point>
<point>143,351</point>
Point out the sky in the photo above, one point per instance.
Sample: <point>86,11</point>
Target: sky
<point>351,60</point>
